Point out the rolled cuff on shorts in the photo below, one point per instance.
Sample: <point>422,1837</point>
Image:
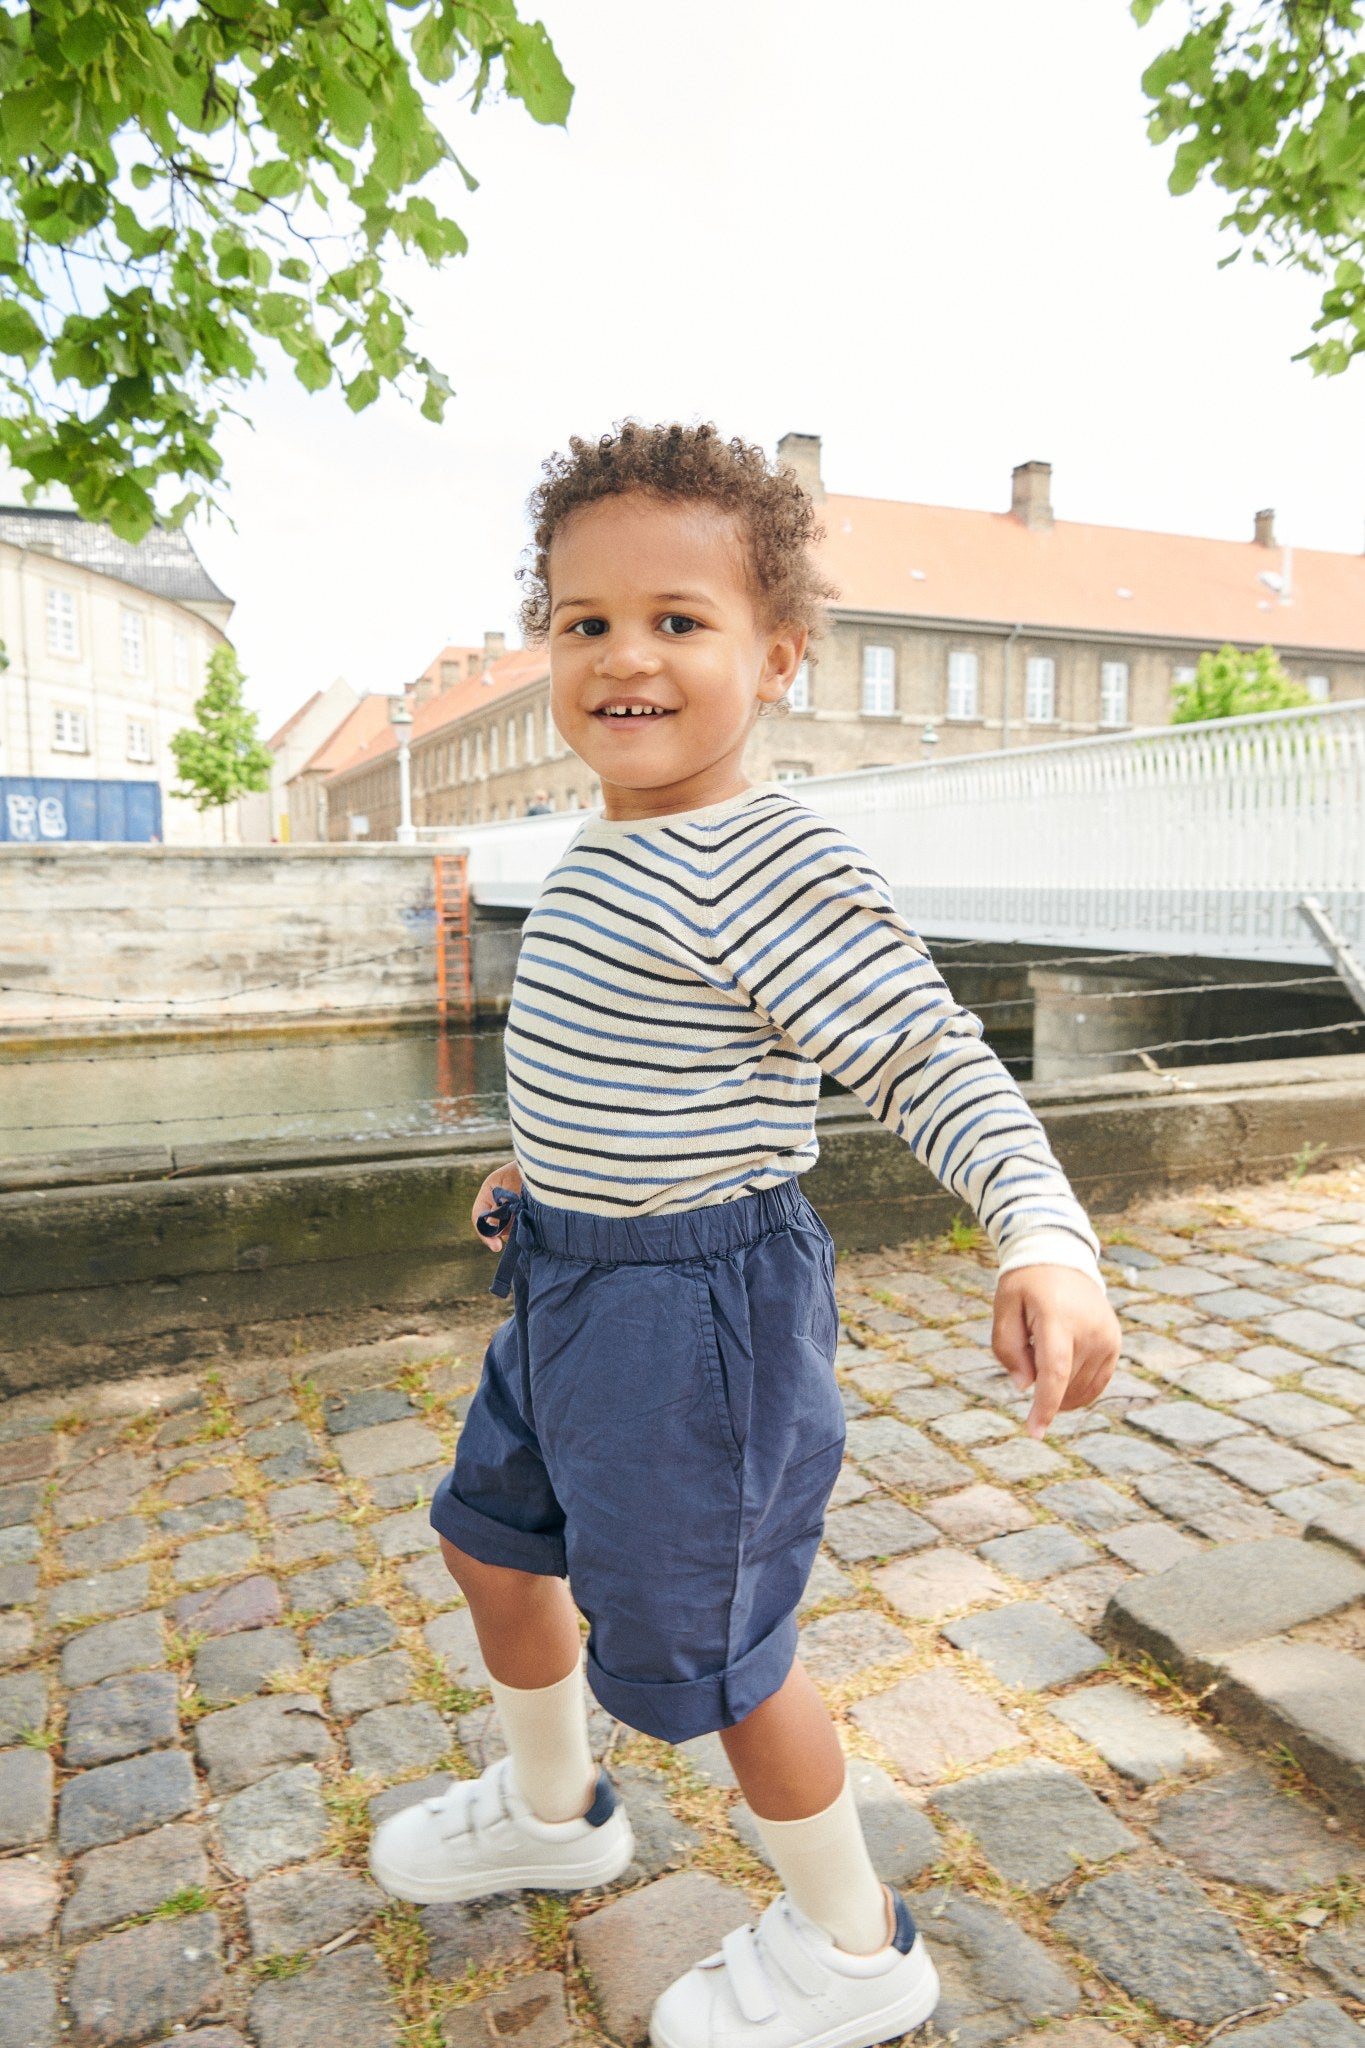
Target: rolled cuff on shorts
<point>517,1550</point>
<point>674,1710</point>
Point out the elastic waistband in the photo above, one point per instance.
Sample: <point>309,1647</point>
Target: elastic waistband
<point>707,1233</point>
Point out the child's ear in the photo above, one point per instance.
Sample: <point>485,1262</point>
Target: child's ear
<point>786,652</point>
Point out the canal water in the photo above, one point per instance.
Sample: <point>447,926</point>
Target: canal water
<point>65,1100</point>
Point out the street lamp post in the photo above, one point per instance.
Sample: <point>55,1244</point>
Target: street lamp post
<point>400,718</point>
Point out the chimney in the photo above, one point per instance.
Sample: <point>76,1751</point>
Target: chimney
<point>424,689</point>
<point>452,672</point>
<point>494,648</point>
<point>1265,528</point>
<point>801,452</point>
<point>1031,496</point>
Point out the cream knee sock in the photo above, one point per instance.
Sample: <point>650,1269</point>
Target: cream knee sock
<point>824,1865</point>
<point>547,1738</point>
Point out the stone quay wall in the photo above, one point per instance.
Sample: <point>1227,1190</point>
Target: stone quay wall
<point>97,939</point>
<point>128,1263</point>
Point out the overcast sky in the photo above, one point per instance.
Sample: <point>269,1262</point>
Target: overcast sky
<point>942,241</point>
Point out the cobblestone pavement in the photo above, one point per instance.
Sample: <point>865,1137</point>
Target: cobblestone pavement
<point>227,1644</point>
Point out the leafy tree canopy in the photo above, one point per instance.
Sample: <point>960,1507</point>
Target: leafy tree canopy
<point>1268,99</point>
<point>184,181</point>
<point>1231,682</point>
<point>220,758</point>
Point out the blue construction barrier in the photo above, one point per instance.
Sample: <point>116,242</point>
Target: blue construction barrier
<point>40,809</point>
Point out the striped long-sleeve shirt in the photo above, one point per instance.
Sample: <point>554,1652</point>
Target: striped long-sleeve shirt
<point>684,981</point>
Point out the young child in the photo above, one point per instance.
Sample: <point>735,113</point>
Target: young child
<point>659,1419</point>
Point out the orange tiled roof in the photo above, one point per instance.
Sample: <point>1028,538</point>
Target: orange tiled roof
<point>354,739</point>
<point>511,672</point>
<point>990,567</point>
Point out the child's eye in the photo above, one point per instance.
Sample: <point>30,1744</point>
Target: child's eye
<point>677,625</point>
<point>590,629</point>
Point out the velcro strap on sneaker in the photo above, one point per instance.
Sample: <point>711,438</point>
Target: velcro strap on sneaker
<point>781,1942</point>
<point>748,1979</point>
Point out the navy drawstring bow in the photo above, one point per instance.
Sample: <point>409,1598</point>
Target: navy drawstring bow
<point>508,1213</point>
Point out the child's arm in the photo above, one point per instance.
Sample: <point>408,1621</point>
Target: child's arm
<point>812,938</point>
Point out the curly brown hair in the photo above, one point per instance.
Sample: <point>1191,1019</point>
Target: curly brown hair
<point>686,465</point>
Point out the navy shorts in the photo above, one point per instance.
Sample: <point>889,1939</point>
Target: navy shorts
<point>659,1421</point>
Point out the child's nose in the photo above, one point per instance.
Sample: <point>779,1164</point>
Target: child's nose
<point>619,662</point>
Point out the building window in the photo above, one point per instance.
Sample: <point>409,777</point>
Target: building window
<point>1319,688</point>
<point>68,731</point>
<point>1113,693</point>
<point>478,755</point>
<point>180,661</point>
<point>963,680</point>
<point>798,696</point>
<point>1182,677</point>
<point>791,771</point>
<point>879,682</point>
<point>139,740</point>
<point>494,749</point>
<point>530,737</point>
<point>134,641</point>
<point>464,759</point>
<point>1040,700</point>
<point>551,737</point>
<point>62,634</point>
<point>511,743</point>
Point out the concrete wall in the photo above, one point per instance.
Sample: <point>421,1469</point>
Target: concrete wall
<point>109,936</point>
<point>121,1276</point>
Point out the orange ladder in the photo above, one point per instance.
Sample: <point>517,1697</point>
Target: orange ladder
<point>453,937</point>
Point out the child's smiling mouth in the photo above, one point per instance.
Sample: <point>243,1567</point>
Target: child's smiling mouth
<point>619,712</point>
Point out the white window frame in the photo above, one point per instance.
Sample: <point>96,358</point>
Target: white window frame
<point>1040,690</point>
<point>1183,676</point>
<point>798,696</point>
<point>70,730</point>
<point>511,742</point>
<point>139,746</point>
<point>530,729</point>
<point>791,771</point>
<point>551,736</point>
<point>182,665</point>
<point>464,758</point>
<point>1114,686</point>
<point>964,683</point>
<point>494,749</point>
<point>1319,688</point>
<point>879,680</point>
<point>63,623</point>
<point>133,633</point>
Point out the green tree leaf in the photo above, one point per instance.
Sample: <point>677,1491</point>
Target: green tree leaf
<point>1267,98</point>
<point>186,185</point>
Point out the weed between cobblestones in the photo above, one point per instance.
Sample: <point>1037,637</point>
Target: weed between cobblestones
<point>347,1800</point>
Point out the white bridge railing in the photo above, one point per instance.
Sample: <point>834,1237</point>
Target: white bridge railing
<point>1195,839</point>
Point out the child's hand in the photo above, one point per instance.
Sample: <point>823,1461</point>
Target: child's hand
<point>508,1176</point>
<point>1055,1332</point>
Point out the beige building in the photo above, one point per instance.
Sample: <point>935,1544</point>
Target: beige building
<point>953,632</point>
<point>103,646</point>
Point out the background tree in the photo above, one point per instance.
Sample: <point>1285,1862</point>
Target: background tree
<point>1231,682</point>
<point>182,184</point>
<point>220,757</point>
<point>1268,98</point>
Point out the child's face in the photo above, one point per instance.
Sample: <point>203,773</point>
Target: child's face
<point>650,606</point>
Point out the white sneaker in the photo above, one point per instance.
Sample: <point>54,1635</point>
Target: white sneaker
<point>784,1984</point>
<point>480,1836</point>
